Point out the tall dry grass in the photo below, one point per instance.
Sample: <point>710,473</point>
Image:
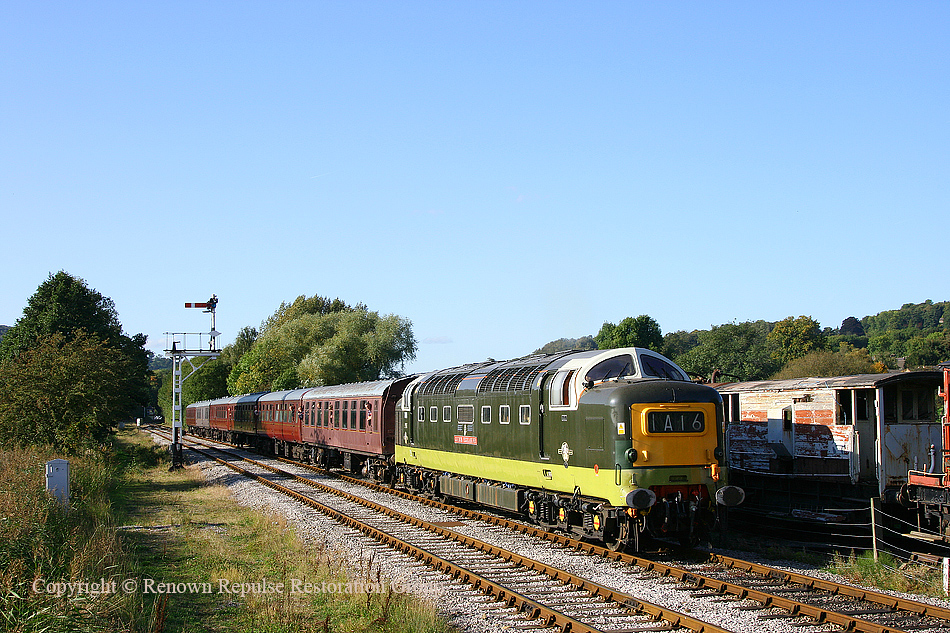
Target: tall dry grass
<point>42,542</point>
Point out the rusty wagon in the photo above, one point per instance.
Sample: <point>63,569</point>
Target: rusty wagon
<point>817,445</point>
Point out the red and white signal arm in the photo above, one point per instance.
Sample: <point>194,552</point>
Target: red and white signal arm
<point>210,304</point>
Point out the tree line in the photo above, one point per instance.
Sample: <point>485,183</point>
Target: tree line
<point>68,372</point>
<point>914,336</point>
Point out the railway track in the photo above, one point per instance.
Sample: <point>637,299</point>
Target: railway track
<point>544,596</point>
<point>774,594</point>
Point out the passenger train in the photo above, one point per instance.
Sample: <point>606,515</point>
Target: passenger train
<point>610,445</point>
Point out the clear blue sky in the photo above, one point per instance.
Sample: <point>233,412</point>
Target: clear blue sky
<point>500,173</point>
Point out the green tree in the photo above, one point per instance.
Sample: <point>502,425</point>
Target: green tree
<point>739,350</point>
<point>65,305</point>
<point>679,342</point>
<point>793,338</point>
<point>564,344</point>
<point>325,349</point>
<point>925,351</point>
<point>642,331</point>
<point>823,363</point>
<point>918,316</point>
<point>62,392</point>
<point>364,346</point>
<point>851,326</point>
<point>231,354</point>
<point>302,306</point>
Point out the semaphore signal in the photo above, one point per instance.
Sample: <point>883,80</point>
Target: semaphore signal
<point>181,355</point>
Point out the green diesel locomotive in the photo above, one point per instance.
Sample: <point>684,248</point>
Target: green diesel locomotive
<point>612,445</point>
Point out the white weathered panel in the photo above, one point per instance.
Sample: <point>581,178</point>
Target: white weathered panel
<point>904,446</point>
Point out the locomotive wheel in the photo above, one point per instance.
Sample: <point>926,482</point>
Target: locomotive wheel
<point>618,542</point>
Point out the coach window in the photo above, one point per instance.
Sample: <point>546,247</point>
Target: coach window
<point>336,414</point>
<point>524,414</point>
<point>446,414</point>
<point>486,415</point>
<point>362,415</point>
<point>354,414</point>
<point>433,414</point>
<point>504,413</point>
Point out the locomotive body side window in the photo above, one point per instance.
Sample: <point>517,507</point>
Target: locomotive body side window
<point>504,414</point>
<point>433,414</point>
<point>447,414</point>
<point>486,414</point>
<point>524,414</point>
<point>422,414</point>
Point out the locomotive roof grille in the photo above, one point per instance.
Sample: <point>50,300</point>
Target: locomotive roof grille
<point>441,384</point>
<point>509,379</point>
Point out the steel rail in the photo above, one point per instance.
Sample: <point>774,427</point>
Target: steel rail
<point>896,603</point>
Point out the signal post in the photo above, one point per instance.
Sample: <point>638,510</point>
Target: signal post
<point>181,353</point>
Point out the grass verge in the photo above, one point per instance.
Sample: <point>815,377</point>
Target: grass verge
<point>144,549</point>
<point>888,573</point>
